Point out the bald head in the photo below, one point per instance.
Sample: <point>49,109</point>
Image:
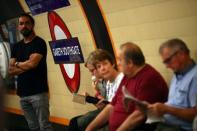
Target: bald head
<point>133,53</point>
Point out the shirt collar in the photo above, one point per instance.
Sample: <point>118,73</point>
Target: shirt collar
<point>187,69</point>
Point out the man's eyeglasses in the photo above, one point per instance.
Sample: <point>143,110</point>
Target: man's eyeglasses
<point>168,60</point>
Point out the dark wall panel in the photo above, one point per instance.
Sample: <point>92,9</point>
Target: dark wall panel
<point>9,9</point>
<point>97,25</point>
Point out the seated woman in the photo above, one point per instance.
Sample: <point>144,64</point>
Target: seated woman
<point>102,65</point>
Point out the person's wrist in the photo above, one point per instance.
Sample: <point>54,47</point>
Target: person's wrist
<point>165,108</point>
<point>17,65</point>
<point>89,128</point>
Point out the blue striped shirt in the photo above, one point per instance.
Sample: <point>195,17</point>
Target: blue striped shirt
<point>182,94</point>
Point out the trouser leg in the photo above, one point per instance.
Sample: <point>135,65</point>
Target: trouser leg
<point>30,114</point>
<point>41,107</point>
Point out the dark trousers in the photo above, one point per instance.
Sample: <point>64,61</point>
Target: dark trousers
<point>79,123</point>
<point>158,127</point>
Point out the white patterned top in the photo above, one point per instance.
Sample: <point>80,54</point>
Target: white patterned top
<point>112,87</point>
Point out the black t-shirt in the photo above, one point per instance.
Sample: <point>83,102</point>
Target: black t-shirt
<point>33,81</point>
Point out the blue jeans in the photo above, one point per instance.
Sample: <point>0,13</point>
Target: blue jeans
<point>36,111</point>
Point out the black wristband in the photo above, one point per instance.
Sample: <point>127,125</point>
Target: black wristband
<point>16,64</point>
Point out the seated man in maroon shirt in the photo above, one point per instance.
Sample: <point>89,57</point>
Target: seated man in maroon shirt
<point>142,81</point>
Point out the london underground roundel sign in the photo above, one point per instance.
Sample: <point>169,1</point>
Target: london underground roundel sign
<point>59,30</point>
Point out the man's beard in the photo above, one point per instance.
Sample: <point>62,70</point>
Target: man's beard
<point>26,32</point>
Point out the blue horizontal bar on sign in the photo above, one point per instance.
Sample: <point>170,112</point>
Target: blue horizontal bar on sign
<point>66,51</point>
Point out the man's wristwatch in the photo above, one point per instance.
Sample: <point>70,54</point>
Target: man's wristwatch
<point>16,64</point>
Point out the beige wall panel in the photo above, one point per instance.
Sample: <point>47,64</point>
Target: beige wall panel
<point>116,5</point>
<point>12,101</point>
<point>150,23</point>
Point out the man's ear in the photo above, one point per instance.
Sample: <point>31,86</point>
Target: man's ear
<point>182,55</point>
<point>130,63</point>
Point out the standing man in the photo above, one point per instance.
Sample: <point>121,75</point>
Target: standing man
<point>28,61</point>
<point>181,108</point>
